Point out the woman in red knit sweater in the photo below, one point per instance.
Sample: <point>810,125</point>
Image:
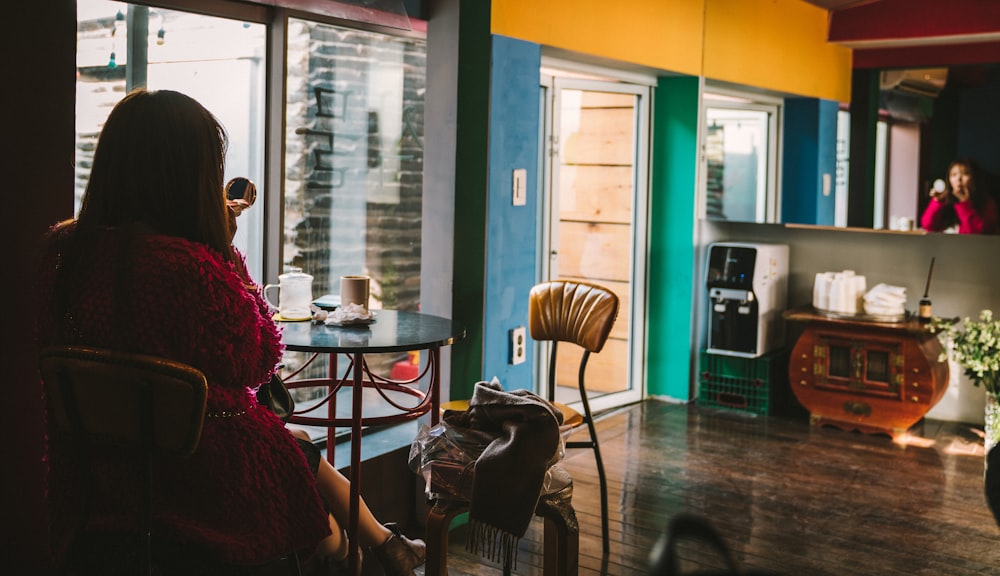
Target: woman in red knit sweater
<point>148,267</point>
<point>961,204</point>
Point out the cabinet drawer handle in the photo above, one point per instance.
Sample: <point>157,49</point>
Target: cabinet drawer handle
<point>858,408</point>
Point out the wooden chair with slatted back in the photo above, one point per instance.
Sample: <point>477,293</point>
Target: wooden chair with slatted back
<point>583,314</point>
<point>148,406</point>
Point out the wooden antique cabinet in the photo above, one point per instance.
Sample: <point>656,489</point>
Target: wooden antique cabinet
<point>874,377</point>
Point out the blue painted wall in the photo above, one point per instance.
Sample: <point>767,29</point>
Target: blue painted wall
<point>810,145</point>
<point>511,230</point>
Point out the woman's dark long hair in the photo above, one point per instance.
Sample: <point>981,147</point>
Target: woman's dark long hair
<point>159,162</point>
<point>159,167</point>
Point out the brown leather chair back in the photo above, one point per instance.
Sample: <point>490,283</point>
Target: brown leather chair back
<point>572,311</point>
<point>97,393</point>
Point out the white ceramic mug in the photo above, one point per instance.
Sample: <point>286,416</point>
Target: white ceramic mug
<point>294,295</point>
<point>354,290</point>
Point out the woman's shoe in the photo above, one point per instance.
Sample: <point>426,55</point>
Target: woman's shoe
<point>398,554</point>
<point>319,565</point>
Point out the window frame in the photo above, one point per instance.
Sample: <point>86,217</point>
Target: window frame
<point>737,99</point>
<point>275,14</point>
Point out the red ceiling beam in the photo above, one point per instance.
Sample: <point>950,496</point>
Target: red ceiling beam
<point>915,22</point>
<point>927,56</point>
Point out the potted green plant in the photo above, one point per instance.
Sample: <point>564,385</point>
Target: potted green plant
<point>975,346</point>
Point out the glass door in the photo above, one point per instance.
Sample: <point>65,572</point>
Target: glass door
<point>593,205</point>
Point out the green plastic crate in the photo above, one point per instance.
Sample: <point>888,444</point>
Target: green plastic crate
<point>743,384</point>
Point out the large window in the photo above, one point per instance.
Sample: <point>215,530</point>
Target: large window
<point>217,61</point>
<point>354,159</point>
<point>354,171</point>
<point>347,196</point>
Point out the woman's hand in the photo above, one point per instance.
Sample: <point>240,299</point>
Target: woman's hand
<point>940,192</point>
<point>233,210</point>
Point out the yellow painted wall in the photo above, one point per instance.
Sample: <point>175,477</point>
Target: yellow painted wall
<point>665,34</point>
<point>775,44</point>
<point>772,44</point>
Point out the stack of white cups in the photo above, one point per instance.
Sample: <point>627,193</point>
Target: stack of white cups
<point>840,292</point>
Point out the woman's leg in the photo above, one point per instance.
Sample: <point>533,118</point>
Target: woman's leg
<point>336,489</point>
<point>397,554</point>
<point>334,545</point>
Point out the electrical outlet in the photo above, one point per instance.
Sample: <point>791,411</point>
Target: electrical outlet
<point>518,345</point>
<point>519,193</point>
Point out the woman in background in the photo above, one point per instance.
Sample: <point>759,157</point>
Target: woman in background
<point>961,203</point>
<point>148,267</point>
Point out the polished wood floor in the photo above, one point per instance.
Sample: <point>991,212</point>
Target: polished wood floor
<point>787,498</point>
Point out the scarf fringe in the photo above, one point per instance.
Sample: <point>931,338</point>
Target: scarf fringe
<point>492,543</point>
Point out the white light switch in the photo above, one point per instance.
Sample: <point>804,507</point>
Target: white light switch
<point>519,195</point>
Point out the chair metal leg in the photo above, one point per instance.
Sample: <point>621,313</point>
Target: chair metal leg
<point>146,430</point>
<point>589,419</point>
<point>605,531</point>
<point>593,444</point>
<point>90,483</point>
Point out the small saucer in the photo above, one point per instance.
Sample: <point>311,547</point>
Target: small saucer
<point>279,318</point>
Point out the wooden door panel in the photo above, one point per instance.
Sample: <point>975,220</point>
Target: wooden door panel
<point>606,371</point>
<point>599,137</point>
<point>596,193</point>
<point>600,252</point>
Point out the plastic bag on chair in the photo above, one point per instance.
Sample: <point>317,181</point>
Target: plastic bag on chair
<point>445,456</point>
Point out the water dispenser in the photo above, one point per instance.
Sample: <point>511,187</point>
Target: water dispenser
<point>747,289</point>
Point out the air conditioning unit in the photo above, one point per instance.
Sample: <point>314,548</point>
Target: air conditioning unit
<point>925,82</point>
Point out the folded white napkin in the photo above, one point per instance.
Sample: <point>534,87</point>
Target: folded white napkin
<point>885,299</point>
<point>347,314</point>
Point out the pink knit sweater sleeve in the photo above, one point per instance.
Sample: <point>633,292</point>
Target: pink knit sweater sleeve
<point>933,217</point>
<point>972,221</point>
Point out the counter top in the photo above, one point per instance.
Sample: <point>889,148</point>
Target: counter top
<point>808,313</point>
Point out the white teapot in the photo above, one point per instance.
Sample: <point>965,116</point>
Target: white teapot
<point>294,295</point>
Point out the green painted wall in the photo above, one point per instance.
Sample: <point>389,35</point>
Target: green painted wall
<point>673,187</point>
<point>471,177</point>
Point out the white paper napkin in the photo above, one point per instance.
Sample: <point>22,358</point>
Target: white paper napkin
<point>348,314</point>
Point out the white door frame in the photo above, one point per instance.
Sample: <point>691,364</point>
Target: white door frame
<point>548,248</point>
